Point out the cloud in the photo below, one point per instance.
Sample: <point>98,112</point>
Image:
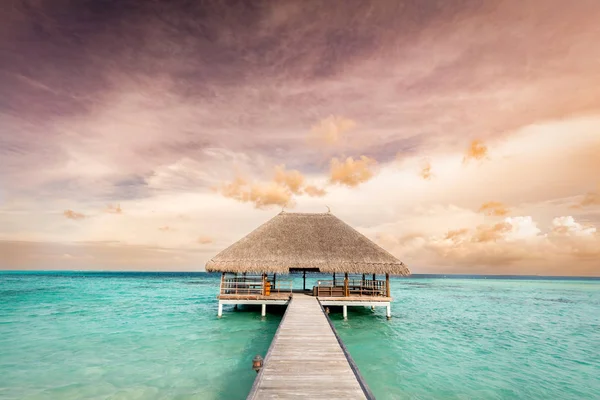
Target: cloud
<point>425,172</point>
<point>476,151</point>
<point>330,130</point>
<point>261,194</point>
<point>292,179</point>
<point>70,214</point>
<point>569,227</point>
<point>588,200</point>
<point>485,233</point>
<point>456,234</point>
<point>314,191</point>
<point>205,240</point>
<point>165,228</point>
<point>112,209</point>
<point>494,208</point>
<point>279,191</point>
<point>352,172</point>
<point>514,246</point>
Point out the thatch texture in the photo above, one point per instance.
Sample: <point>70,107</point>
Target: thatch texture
<point>294,240</point>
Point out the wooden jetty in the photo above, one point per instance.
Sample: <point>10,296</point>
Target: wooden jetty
<point>307,359</point>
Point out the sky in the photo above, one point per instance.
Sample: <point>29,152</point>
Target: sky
<point>462,136</point>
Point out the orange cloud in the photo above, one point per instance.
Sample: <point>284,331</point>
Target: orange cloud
<point>261,194</point>
<point>485,233</point>
<point>494,208</point>
<point>111,209</point>
<point>205,240</point>
<point>165,228</point>
<point>456,234</point>
<point>70,214</point>
<point>292,179</point>
<point>590,199</point>
<point>314,191</point>
<point>352,172</point>
<point>331,129</point>
<point>476,151</point>
<point>426,171</point>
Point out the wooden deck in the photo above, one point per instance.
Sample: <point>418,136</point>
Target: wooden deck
<point>272,296</point>
<point>358,299</point>
<point>307,360</point>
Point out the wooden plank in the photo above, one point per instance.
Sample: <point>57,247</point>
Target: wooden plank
<point>306,359</point>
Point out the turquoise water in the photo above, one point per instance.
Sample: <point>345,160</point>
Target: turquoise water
<point>156,336</point>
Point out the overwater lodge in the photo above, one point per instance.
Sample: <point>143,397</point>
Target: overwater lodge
<point>254,268</point>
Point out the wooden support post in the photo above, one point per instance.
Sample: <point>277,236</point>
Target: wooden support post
<point>220,311</point>
<point>346,288</point>
<point>304,280</point>
<point>274,282</point>
<point>387,285</point>
<point>263,311</point>
<point>264,286</point>
<point>388,311</point>
<point>345,311</point>
<point>221,290</point>
<point>334,279</point>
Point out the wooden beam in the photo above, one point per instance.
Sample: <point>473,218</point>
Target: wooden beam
<point>304,280</point>
<point>387,285</point>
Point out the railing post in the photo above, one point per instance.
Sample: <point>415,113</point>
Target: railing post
<point>221,286</point>
<point>387,285</point>
<point>264,286</point>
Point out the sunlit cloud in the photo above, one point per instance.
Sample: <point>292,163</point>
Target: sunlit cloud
<point>70,214</point>
<point>292,179</point>
<point>456,234</point>
<point>485,233</point>
<point>165,228</point>
<point>477,151</point>
<point>352,172</point>
<point>515,245</point>
<point>261,194</point>
<point>494,208</point>
<point>590,199</point>
<point>569,227</point>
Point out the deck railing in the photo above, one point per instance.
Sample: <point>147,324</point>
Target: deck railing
<point>242,285</point>
<point>355,287</point>
<point>282,285</point>
<point>254,285</point>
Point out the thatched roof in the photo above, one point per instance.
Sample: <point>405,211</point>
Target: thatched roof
<point>302,241</point>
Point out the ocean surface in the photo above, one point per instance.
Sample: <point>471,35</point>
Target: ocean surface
<point>76,335</point>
